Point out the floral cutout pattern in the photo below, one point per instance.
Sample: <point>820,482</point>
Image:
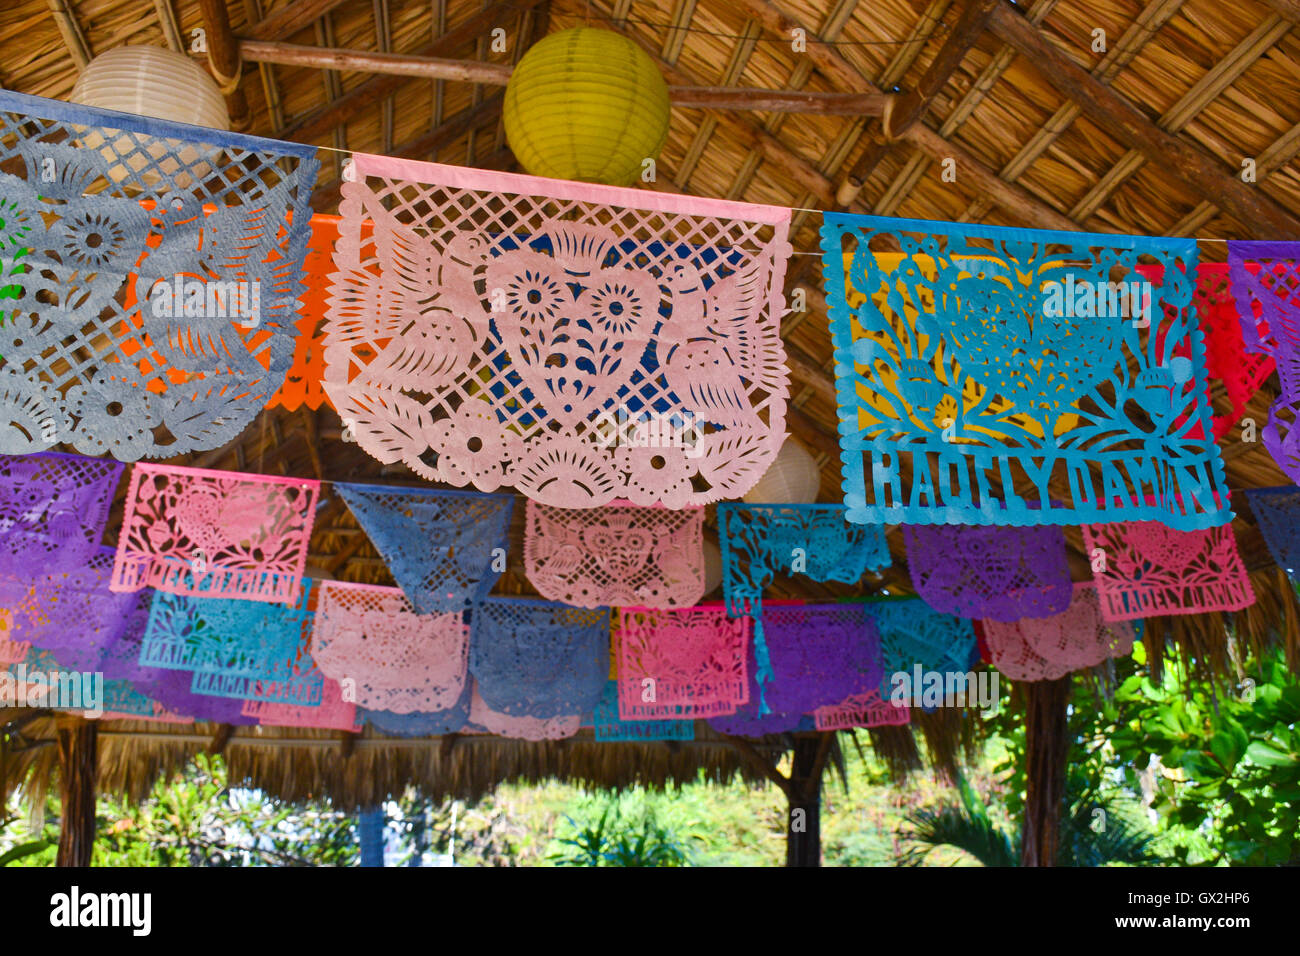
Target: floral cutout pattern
<point>615,555</point>
<point>152,273</point>
<point>215,533</point>
<point>502,330</point>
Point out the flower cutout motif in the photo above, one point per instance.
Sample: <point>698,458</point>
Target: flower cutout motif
<point>618,308</point>
<point>655,475</point>
<point>471,446</point>
<point>115,415</point>
<point>106,235</point>
<point>533,296</point>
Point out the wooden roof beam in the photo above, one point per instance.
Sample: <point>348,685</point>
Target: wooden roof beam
<point>498,74</point>
<point>907,110</point>
<point>366,94</point>
<point>223,58</point>
<point>70,30</point>
<point>288,20</point>
<point>842,73</point>
<point>1120,118</point>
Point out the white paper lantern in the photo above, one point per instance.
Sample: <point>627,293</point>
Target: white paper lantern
<point>150,81</point>
<point>792,478</point>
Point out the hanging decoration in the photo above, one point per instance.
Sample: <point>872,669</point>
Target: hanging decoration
<point>302,383</point>
<point>982,571</point>
<point>1277,515</point>
<point>74,611</point>
<point>609,726</point>
<point>1234,374</point>
<point>862,710</point>
<point>445,549</point>
<point>485,719</point>
<point>423,724</point>
<point>821,654</point>
<point>537,658</point>
<point>394,659</point>
<point>333,713</point>
<point>1265,281</point>
<point>946,399</point>
<point>913,634</point>
<point>683,663</point>
<point>580,343</point>
<point>172,689</point>
<point>53,508</point>
<point>237,649</point>
<point>814,540</point>
<point>1051,647</point>
<point>152,271</point>
<point>215,533</point>
<point>1145,569</point>
<point>587,104</point>
<point>615,555</point>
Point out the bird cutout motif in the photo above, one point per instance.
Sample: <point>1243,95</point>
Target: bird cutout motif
<point>710,354</point>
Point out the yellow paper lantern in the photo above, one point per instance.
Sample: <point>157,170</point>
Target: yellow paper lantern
<point>586,104</point>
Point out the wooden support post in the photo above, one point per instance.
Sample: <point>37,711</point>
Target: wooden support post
<point>803,837</point>
<point>1047,745</point>
<point>78,768</point>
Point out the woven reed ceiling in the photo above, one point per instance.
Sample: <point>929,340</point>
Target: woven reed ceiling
<point>987,83</point>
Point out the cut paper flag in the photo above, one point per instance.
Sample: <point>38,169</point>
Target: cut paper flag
<point>445,549</point>
<point>423,724</point>
<point>615,555</point>
<point>1234,373</point>
<point>74,612</point>
<point>821,654</point>
<point>1051,647</point>
<point>915,636</point>
<point>538,659</point>
<point>757,541</point>
<point>215,533</point>
<point>1265,278</point>
<point>333,713</point>
<point>485,719</point>
<point>985,359</point>
<point>982,571</point>
<point>302,384</point>
<point>609,726</point>
<point>152,274</point>
<point>578,342</point>
<point>248,650</point>
<point>1277,515</point>
<point>392,658</point>
<point>1145,569</point>
<point>862,710</point>
<point>53,508</point>
<point>684,662</point>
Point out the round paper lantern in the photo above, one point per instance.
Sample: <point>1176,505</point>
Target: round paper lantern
<point>792,478</point>
<point>150,81</point>
<point>586,104</point>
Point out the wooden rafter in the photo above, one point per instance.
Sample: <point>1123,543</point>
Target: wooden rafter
<point>1114,113</point>
<point>223,58</point>
<point>73,39</point>
<point>498,74</point>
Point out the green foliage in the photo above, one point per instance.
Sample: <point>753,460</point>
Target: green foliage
<point>616,842</point>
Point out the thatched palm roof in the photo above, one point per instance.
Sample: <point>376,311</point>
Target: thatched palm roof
<point>1048,129</point>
